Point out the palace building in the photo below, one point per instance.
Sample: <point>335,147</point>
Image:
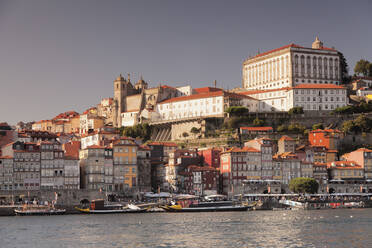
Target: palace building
<point>291,65</point>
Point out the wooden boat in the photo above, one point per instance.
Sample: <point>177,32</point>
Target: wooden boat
<point>98,207</point>
<point>39,210</point>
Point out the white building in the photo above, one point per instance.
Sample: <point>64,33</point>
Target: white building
<point>312,97</point>
<point>211,103</point>
<point>365,91</point>
<point>292,65</point>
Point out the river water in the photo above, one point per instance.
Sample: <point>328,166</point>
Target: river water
<point>317,228</point>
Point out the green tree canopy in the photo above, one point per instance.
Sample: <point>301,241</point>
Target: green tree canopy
<point>296,110</point>
<point>195,130</point>
<point>363,67</point>
<point>142,131</point>
<point>304,185</point>
<point>360,124</point>
<point>236,110</point>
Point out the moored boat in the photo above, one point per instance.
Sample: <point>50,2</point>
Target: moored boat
<point>98,207</point>
<point>221,206</point>
<point>38,210</point>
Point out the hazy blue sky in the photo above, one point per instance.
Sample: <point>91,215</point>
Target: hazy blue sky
<point>57,56</point>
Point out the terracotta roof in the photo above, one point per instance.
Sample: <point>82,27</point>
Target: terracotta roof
<point>95,147</point>
<point>257,128</point>
<point>318,86</point>
<point>144,147</point>
<point>167,87</point>
<point>6,157</point>
<point>205,95</point>
<point>277,49</point>
<point>285,137</point>
<point>243,149</point>
<point>344,165</point>
<point>318,164</point>
<point>206,90</point>
<point>72,149</point>
<point>325,131</point>
<point>290,46</point>
<point>170,144</point>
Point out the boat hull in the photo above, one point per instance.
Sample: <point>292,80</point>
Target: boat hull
<point>110,211</point>
<point>208,209</point>
<point>30,213</point>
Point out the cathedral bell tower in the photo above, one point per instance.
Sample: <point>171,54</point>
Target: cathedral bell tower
<point>120,92</point>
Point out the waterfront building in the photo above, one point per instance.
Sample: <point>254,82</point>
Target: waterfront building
<point>201,180</point>
<point>266,147</point>
<point>109,169</point>
<point>238,164</point>
<point>364,91</point>
<point>178,161</point>
<point>125,163</point>
<point>363,157</point>
<point>324,155</point>
<point>291,65</point>
<point>144,168</point>
<point>320,173</point>
<point>92,167</point>
<point>345,170</point>
<point>26,172</point>
<point>51,165</point>
<point>71,172</point>
<point>211,156</point>
<point>7,134</point>
<point>6,173</point>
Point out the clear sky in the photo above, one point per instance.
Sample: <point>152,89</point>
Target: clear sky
<point>57,56</point>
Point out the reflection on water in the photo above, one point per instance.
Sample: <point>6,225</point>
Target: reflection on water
<point>323,228</point>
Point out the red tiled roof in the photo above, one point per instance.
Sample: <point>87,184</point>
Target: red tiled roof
<point>171,144</point>
<point>72,149</point>
<point>257,128</point>
<point>325,131</point>
<point>206,90</point>
<point>96,147</point>
<point>285,137</point>
<point>144,147</point>
<point>290,46</point>
<point>205,95</point>
<point>6,157</point>
<point>243,149</point>
<point>344,165</point>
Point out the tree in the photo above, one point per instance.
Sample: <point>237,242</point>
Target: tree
<point>345,78</point>
<point>258,123</point>
<point>360,124</point>
<point>363,67</point>
<point>185,134</point>
<point>304,185</point>
<point>236,110</point>
<point>296,110</point>
<point>142,131</point>
<point>318,126</point>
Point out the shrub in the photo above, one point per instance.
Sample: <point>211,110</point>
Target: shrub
<point>296,110</point>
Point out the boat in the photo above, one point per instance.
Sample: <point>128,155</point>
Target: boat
<point>220,206</point>
<point>39,210</point>
<point>98,207</point>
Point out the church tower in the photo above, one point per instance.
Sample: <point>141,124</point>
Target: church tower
<point>120,93</point>
<point>317,44</point>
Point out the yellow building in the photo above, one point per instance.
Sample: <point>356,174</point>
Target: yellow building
<point>341,170</point>
<point>125,163</point>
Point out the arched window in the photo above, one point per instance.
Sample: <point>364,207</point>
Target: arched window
<point>325,67</point>
<point>282,67</point>
<point>337,76</point>
<point>296,65</point>
<point>320,67</point>
<point>308,66</point>
<point>314,67</point>
<point>303,65</point>
<point>331,68</point>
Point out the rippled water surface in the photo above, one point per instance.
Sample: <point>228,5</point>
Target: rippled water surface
<point>319,228</point>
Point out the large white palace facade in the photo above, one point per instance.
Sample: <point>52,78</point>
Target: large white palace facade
<point>292,65</point>
<point>295,76</point>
